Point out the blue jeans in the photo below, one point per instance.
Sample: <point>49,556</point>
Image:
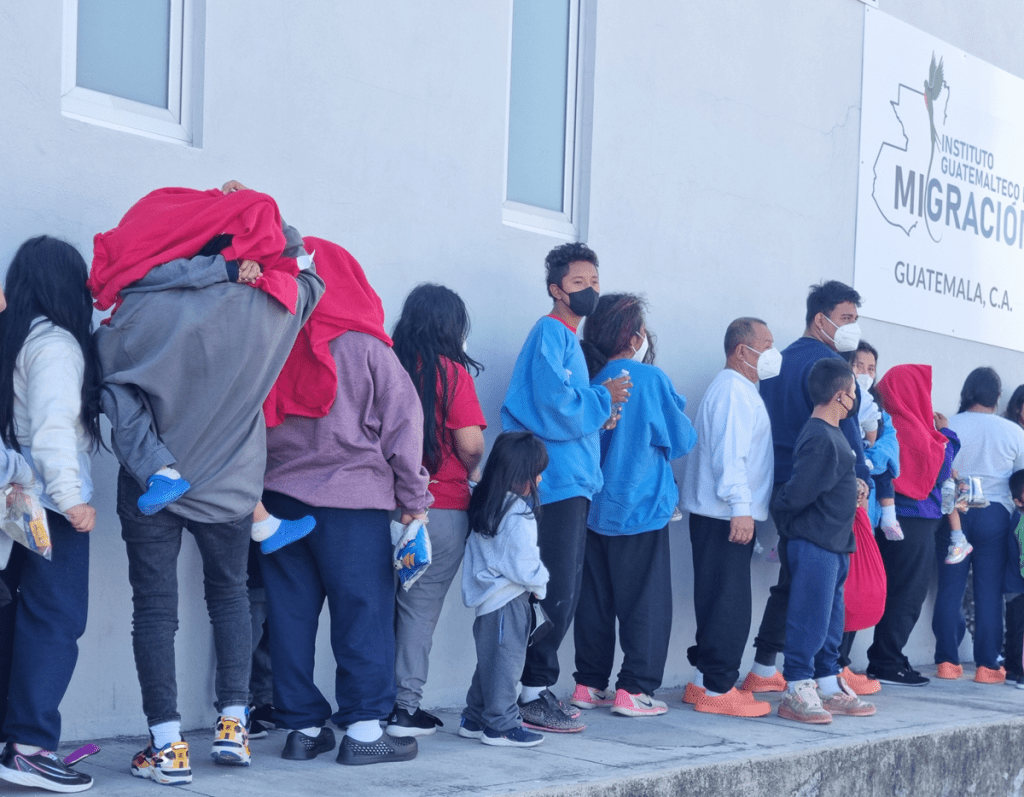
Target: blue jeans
<point>346,560</point>
<point>986,530</point>
<point>153,543</point>
<point>39,633</point>
<point>815,613</point>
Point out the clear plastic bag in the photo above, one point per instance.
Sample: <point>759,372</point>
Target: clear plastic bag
<point>412,551</point>
<point>24,520</point>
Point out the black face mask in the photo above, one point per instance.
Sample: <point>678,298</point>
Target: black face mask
<point>583,302</point>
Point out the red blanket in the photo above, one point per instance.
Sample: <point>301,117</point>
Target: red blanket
<point>906,392</point>
<point>308,382</point>
<point>172,223</point>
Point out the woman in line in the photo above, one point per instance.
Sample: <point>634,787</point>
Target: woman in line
<point>430,339</point>
<point>49,411</point>
<point>992,448</point>
<point>626,567</point>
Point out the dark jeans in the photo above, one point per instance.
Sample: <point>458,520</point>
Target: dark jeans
<point>986,530</point>
<point>771,635</point>
<point>345,560</point>
<point>1013,646</point>
<point>153,544</point>
<point>814,617</point>
<point>908,567</point>
<point>629,579</point>
<point>561,537</point>
<point>721,601</point>
<point>39,632</point>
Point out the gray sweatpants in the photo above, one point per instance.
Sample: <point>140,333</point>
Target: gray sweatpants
<point>417,611</point>
<point>501,637</point>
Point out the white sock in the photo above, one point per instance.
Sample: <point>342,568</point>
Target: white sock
<point>889,515</point>
<point>165,733</point>
<point>312,733</point>
<point>265,528</point>
<point>27,749</point>
<point>956,536</point>
<point>169,472</point>
<point>235,712</point>
<point>709,693</point>
<point>365,731</point>
<point>698,678</point>
<point>828,685</point>
<point>763,670</point>
<point>531,693</point>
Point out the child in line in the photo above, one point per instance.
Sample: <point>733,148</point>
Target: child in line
<point>501,569</point>
<point>1013,586</point>
<point>815,511</point>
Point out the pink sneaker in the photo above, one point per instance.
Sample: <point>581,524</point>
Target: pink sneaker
<point>638,705</point>
<point>586,697</point>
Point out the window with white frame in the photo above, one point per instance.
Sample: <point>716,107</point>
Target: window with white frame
<point>134,65</point>
<point>548,117</point>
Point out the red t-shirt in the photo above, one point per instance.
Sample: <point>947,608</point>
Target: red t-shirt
<point>448,484</point>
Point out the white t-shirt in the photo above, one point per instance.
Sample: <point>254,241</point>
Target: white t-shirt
<point>992,448</point>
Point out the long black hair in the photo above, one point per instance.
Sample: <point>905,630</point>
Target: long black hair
<point>47,278</point>
<point>982,386</point>
<point>434,324</point>
<point>1015,405</point>
<point>609,329</point>
<point>516,460</point>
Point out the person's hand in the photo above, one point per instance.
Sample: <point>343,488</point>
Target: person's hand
<point>741,529</point>
<point>612,422</point>
<point>409,517</point>
<point>863,491</point>
<point>941,421</point>
<point>619,388</point>
<point>249,271</point>
<point>231,186</point>
<point>82,517</point>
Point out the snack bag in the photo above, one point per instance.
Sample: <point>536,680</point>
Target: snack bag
<point>24,520</point>
<point>412,551</point>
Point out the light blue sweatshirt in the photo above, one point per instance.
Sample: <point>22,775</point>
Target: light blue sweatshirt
<point>550,395</point>
<point>497,569</point>
<point>639,493</point>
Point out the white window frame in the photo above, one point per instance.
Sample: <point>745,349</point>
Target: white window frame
<point>569,224</point>
<point>174,123</point>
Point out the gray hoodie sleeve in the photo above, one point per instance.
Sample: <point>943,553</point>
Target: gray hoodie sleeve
<point>520,561</point>
<point>196,272</point>
<point>14,469</point>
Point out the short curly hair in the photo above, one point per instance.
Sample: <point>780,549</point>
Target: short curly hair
<point>558,260</point>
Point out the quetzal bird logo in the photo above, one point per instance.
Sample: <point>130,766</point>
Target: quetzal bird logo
<point>932,89</point>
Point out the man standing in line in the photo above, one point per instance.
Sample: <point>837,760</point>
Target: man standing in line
<point>727,482</point>
<point>550,395</point>
<point>831,328</point>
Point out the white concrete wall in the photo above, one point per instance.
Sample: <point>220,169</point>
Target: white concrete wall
<point>723,183</point>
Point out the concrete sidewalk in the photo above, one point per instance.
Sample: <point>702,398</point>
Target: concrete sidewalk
<point>948,738</point>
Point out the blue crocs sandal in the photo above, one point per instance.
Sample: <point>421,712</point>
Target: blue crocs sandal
<point>162,491</point>
<point>289,531</point>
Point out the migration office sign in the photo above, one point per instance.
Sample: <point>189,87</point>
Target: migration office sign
<point>940,205</point>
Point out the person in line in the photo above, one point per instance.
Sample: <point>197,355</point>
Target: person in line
<point>550,395</point>
<point>815,510</point>
<point>349,468</point>
<point>1013,586</point>
<point>501,574</point>
<point>831,329</point>
<point>727,483</point>
<point>926,451</point>
<point>992,448</point>
<point>430,339</point>
<point>627,574</point>
<point>50,380</point>
<point>204,396</point>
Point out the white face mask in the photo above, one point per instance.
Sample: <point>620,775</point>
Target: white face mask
<point>865,381</point>
<point>847,337</point>
<point>640,353</point>
<point>769,362</point>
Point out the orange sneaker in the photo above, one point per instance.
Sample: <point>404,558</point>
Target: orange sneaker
<point>950,671</point>
<point>755,683</point>
<point>733,703</point>
<point>693,693</point>
<point>986,675</point>
<point>860,684</point>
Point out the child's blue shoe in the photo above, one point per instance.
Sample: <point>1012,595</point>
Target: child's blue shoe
<point>289,531</point>
<point>162,491</point>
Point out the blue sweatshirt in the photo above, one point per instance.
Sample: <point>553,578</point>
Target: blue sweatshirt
<point>639,493</point>
<point>789,407</point>
<point>550,395</point>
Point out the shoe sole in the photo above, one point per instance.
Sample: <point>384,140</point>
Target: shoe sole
<point>400,731</point>
<point>870,689</point>
<point>230,758</point>
<point>807,720</point>
<point>855,713</point>
<point>882,680</point>
<point>755,711</point>
<point>469,734</point>
<point>501,741</point>
<point>588,706</point>
<point>352,760</point>
<point>546,729</point>
<point>163,780</point>
<point>625,711</point>
<point>39,782</point>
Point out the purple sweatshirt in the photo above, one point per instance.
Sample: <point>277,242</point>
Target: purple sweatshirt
<point>367,452</point>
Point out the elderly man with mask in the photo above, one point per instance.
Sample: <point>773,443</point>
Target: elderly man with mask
<point>727,481</point>
<point>831,329</point>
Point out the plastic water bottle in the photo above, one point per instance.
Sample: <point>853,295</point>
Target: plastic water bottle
<point>617,405</point>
